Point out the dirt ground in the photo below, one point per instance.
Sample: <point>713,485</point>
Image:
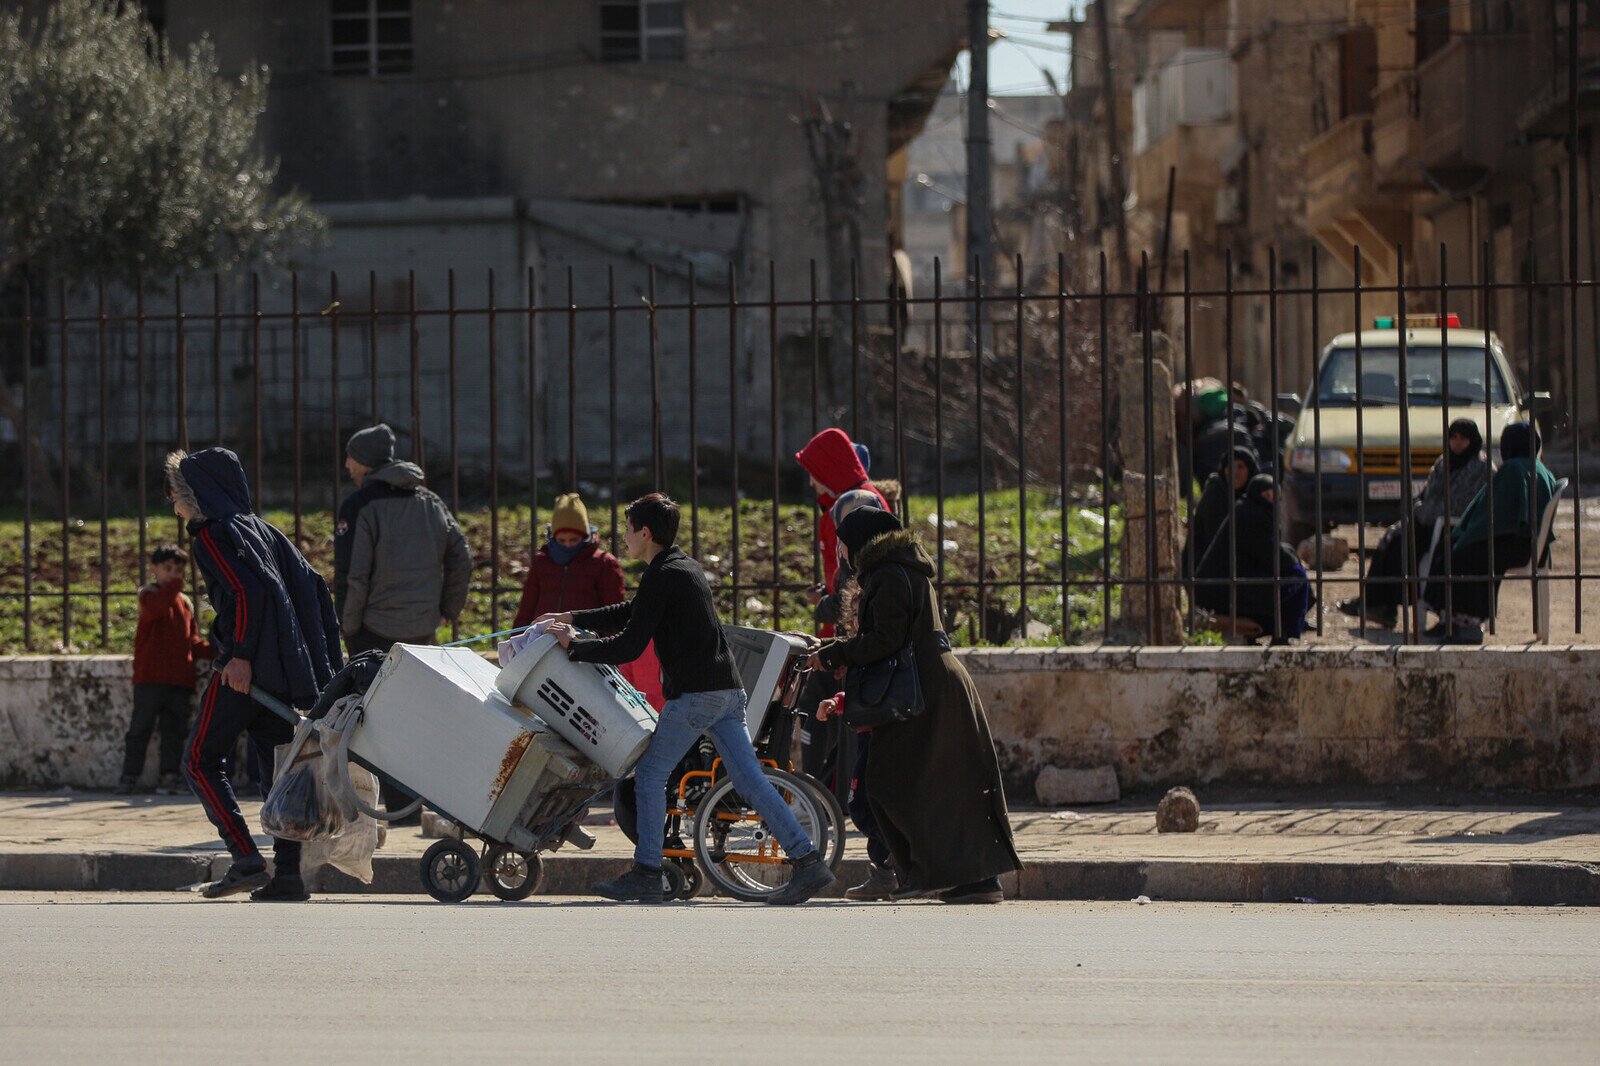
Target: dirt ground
<point>1514,623</point>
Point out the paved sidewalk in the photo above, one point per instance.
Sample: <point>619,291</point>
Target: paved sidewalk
<point>1358,851</point>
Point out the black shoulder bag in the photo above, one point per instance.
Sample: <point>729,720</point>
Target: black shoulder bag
<point>888,690</point>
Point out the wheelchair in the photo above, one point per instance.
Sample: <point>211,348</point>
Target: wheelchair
<point>712,834</point>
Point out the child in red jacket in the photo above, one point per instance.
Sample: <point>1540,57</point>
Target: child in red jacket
<point>165,647</point>
<point>572,572</point>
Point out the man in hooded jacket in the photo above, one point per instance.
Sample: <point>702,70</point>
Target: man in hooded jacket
<point>275,629</point>
<point>401,565</point>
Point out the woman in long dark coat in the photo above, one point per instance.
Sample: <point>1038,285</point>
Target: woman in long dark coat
<point>936,790</point>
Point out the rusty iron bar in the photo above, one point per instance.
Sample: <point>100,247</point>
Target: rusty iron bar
<point>105,464</point>
<point>494,470</point>
<point>733,429</point>
<point>774,420</point>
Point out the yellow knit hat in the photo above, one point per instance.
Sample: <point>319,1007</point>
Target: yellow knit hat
<point>570,516</point>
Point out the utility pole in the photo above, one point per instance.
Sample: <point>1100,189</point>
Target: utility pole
<point>1108,94</point>
<point>978,154</point>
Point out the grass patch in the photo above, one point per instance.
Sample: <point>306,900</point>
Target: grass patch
<point>765,588</point>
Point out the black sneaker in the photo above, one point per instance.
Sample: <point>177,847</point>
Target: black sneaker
<point>986,891</point>
<point>125,787</point>
<point>811,875</point>
<point>1351,607</point>
<point>241,877</point>
<point>641,884</point>
<point>283,888</point>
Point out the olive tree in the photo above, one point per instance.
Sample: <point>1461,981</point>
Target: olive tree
<point>120,161</point>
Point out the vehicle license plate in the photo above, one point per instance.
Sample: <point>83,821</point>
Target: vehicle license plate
<point>1390,490</point>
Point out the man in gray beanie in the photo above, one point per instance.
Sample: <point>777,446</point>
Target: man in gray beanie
<point>400,562</point>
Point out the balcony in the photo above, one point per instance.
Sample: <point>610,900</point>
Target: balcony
<point>1193,88</point>
<point>1469,95</point>
<point>1397,136</point>
<point>1546,112</point>
<point>1345,207</point>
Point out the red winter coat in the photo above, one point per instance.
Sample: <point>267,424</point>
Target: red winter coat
<point>592,579</point>
<point>168,641</point>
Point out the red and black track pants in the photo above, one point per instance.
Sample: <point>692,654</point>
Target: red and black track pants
<point>224,714</point>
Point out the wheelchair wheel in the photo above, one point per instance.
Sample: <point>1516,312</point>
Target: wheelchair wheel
<point>736,848</point>
<point>450,871</point>
<point>512,875</point>
<point>827,805</point>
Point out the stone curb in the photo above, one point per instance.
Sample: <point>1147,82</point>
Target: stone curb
<point>1493,884</point>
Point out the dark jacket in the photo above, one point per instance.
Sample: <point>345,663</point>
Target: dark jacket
<point>1254,546</point>
<point>1214,506</point>
<point>272,609</point>
<point>400,561</point>
<point>1508,492</point>
<point>593,579</point>
<point>673,607</point>
<point>935,779</point>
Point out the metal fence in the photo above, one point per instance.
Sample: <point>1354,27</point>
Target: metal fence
<point>998,403</point>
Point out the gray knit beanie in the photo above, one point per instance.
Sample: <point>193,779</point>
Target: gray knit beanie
<point>372,447</point>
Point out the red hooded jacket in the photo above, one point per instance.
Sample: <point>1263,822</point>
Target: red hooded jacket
<point>168,641</point>
<point>831,459</point>
<point>592,579</point>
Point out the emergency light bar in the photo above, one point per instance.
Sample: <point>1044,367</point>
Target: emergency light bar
<point>1425,321</point>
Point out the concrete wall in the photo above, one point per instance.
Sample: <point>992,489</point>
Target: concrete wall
<point>1476,717</point>
<point>1484,717</point>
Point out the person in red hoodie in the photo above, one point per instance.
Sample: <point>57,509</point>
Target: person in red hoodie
<point>572,572</point>
<point>835,468</point>
<point>165,647</point>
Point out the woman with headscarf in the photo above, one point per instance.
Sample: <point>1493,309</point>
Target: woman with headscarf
<point>1459,473</point>
<point>936,793</point>
<point>1515,498</point>
<point>1247,548</point>
<point>1223,488</point>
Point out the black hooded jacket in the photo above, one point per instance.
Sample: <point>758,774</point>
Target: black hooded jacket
<point>1216,502</point>
<point>272,609</point>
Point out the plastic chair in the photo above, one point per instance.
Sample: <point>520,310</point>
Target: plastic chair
<point>1538,568</point>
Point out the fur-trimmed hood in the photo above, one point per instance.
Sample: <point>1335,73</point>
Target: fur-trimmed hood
<point>901,547</point>
<point>211,482</point>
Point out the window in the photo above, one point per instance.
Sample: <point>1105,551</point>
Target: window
<point>641,31</point>
<point>1459,382</point>
<point>370,37</point>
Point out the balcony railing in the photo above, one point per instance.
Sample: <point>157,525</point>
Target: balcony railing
<point>1397,135</point>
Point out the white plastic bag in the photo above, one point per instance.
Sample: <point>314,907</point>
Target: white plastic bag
<point>350,851</point>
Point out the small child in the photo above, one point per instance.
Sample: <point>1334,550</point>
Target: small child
<point>165,648</point>
<point>572,572</point>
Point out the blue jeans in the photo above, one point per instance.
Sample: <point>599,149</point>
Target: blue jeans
<point>682,722</point>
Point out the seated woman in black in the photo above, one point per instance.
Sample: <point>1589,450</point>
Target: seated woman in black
<point>1247,548</point>
<point>1225,486</point>
<point>1459,473</point>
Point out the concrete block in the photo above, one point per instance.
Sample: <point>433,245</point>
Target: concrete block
<point>46,872</point>
<point>1059,787</point>
<point>1219,882</point>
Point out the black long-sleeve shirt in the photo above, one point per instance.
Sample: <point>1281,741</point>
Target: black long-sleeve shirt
<point>673,607</point>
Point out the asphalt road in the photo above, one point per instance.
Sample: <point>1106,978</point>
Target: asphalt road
<point>160,978</point>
